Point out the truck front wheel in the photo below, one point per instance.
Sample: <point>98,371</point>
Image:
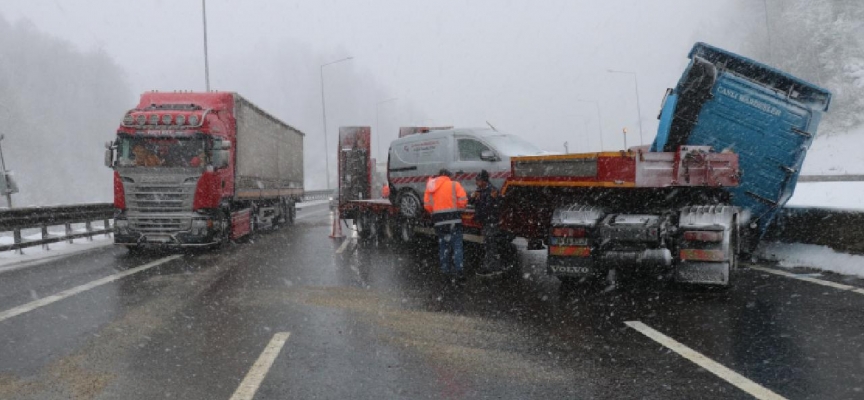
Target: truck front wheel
<point>225,223</point>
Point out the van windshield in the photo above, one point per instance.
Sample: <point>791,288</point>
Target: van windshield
<point>512,145</point>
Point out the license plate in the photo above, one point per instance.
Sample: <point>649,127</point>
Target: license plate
<point>565,241</point>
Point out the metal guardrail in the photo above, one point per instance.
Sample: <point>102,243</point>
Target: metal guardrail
<point>839,229</point>
<point>317,194</point>
<point>18,219</point>
<point>831,178</point>
<point>42,218</point>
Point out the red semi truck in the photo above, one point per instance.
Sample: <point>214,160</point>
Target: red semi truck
<point>200,169</point>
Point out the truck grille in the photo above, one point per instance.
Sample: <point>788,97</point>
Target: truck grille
<point>160,205</point>
<point>161,198</point>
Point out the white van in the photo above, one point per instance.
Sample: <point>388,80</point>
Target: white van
<point>413,159</point>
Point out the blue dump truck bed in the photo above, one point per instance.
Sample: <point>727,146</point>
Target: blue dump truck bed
<point>767,117</point>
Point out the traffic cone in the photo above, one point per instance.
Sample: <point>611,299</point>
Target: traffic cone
<point>336,232</point>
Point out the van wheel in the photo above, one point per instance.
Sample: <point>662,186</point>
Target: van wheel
<point>409,204</point>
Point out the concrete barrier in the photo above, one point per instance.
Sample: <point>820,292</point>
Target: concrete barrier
<point>839,229</point>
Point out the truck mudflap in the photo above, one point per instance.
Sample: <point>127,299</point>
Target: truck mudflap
<point>707,245</point>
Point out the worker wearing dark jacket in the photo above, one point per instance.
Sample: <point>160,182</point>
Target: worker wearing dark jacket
<point>487,201</point>
<point>445,200</point>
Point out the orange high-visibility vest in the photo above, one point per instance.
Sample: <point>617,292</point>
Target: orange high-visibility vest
<point>385,191</point>
<point>444,199</point>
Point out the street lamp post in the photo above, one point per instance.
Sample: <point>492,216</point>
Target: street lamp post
<point>6,185</point>
<point>324,118</point>
<point>599,122</point>
<point>377,130</point>
<point>638,107</point>
<point>768,32</point>
<point>206,60</point>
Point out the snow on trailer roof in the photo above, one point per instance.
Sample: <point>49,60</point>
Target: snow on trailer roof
<point>808,93</point>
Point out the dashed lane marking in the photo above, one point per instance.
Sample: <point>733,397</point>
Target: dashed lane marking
<point>4,315</point>
<point>253,379</point>
<point>754,389</point>
<point>313,214</point>
<point>834,285</point>
<point>344,245</point>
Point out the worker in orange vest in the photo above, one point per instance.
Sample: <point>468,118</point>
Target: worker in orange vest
<point>385,191</point>
<point>445,200</point>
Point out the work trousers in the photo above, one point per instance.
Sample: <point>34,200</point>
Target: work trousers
<point>450,247</point>
<point>492,258</point>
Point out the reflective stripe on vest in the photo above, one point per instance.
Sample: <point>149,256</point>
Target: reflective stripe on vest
<point>453,193</point>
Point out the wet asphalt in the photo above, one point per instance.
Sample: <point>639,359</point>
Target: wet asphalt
<point>378,321</point>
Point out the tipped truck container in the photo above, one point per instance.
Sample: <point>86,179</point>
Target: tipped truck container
<point>732,137</point>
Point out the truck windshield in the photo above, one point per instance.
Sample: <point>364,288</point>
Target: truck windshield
<point>512,145</point>
<point>161,152</point>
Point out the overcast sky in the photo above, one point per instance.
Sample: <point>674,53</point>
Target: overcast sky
<point>524,66</point>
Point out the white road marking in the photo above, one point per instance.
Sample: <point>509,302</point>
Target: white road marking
<point>253,379</point>
<point>47,258</point>
<point>344,245</point>
<point>4,315</point>
<point>304,216</point>
<point>834,285</point>
<point>754,389</point>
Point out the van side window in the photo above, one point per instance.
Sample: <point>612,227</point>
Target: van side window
<point>469,150</point>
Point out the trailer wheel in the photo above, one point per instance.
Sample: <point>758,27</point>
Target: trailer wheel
<point>387,229</point>
<point>406,230</point>
<point>365,226</point>
<point>281,219</point>
<point>290,213</point>
<point>409,204</point>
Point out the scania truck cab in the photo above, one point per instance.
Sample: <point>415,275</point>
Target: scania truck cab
<point>199,169</point>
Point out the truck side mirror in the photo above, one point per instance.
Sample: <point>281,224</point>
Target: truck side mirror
<point>488,155</point>
<point>109,154</point>
<point>221,153</point>
<point>221,158</point>
<point>109,158</point>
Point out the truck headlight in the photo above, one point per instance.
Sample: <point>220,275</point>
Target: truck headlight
<point>121,225</point>
<point>200,226</point>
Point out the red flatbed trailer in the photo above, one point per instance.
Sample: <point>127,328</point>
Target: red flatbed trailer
<point>596,212</point>
<point>667,213</point>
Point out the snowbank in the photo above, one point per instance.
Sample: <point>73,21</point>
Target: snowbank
<point>845,195</point>
<point>833,155</point>
<point>836,155</point>
<point>11,260</point>
<point>812,256</point>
